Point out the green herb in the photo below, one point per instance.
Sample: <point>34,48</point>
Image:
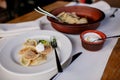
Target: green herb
<point>45,42</point>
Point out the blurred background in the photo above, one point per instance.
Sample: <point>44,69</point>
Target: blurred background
<point>10,9</point>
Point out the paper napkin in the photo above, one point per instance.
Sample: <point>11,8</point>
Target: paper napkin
<point>102,5</point>
<point>12,29</point>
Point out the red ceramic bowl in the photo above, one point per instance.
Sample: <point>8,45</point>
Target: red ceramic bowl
<point>94,16</point>
<point>92,44</point>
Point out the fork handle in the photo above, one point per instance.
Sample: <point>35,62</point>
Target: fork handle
<point>113,36</point>
<point>115,10</point>
<point>59,67</point>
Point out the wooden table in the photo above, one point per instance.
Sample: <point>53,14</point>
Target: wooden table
<point>112,70</point>
<point>34,15</point>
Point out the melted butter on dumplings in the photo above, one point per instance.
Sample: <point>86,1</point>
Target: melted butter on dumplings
<point>30,56</point>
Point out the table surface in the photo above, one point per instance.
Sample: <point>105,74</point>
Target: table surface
<point>112,70</point>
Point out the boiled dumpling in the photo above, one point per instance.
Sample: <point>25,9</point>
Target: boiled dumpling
<point>39,60</point>
<point>24,61</point>
<point>29,53</point>
<point>30,42</point>
<point>47,50</point>
<point>72,18</point>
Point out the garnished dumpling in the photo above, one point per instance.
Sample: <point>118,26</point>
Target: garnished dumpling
<point>34,52</point>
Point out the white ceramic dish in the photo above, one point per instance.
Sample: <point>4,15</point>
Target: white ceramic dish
<point>9,57</point>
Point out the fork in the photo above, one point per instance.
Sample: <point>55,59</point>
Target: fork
<point>113,14</point>
<point>42,11</point>
<point>54,46</point>
<point>115,36</point>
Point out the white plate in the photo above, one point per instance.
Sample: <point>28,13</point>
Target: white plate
<point>9,57</point>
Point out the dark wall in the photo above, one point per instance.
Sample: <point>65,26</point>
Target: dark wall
<point>43,2</point>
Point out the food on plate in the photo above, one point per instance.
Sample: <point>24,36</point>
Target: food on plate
<point>30,42</point>
<point>29,52</point>
<point>39,60</point>
<point>71,18</point>
<point>91,37</point>
<point>34,52</point>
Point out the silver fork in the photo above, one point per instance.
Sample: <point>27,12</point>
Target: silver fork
<point>42,11</point>
<point>54,45</point>
<point>59,67</point>
<point>113,14</point>
<point>115,36</point>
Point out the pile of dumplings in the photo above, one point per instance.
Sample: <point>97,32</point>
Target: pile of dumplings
<point>29,56</point>
<point>71,18</point>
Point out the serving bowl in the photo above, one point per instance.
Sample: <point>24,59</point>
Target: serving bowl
<point>92,40</point>
<point>94,16</point>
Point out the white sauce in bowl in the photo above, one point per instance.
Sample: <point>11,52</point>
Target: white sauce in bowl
<point>91,37</point>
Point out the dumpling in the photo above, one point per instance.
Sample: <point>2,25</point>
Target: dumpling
<point>29,53</point>
<point>23,50</point>
<point>48,49</point>
<point>82,21</point>
<point>72,18</point>
<point>24,61</point>
<point>30,42</point>
<point>41,59</point>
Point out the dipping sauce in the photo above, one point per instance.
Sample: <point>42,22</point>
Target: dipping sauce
<point>90,40</point>
<point>91,37</point>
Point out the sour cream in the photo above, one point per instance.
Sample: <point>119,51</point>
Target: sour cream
<point>40,47</point>
<point>91,37</point>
